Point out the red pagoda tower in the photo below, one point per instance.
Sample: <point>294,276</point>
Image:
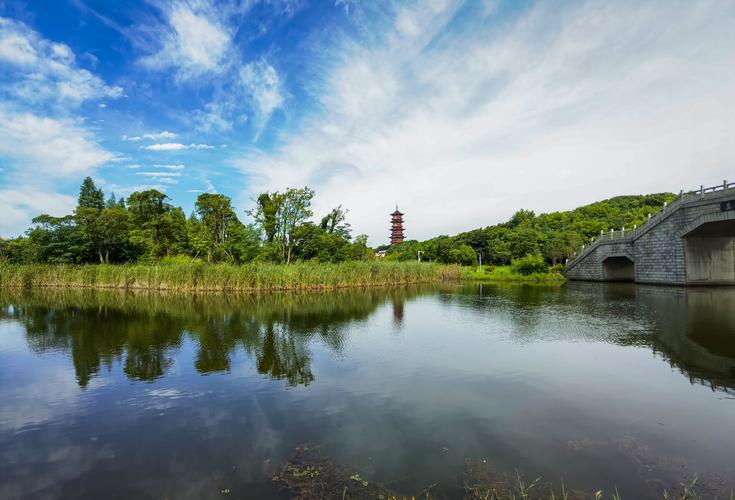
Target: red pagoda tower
<point>396,227</point>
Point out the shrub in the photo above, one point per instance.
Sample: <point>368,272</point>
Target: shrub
<point>529,264</point>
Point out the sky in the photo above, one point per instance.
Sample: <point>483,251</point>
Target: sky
<point>459,112</point>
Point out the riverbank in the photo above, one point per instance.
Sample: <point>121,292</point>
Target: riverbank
<point>505,274</point>
<point>198,276</point>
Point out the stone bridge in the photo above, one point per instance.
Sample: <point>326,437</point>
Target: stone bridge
<point>689,242</point>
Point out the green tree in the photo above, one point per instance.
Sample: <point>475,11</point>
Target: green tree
<point>90,196</point>
<point>57,240</point>
<point>279,215</point>
<point>157,228</point>
<point>266,214</point>
<point>336,222</point>
<point>215,212</point>
<point>463,254</point>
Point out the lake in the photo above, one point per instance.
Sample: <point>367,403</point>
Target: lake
<point>425,389</point>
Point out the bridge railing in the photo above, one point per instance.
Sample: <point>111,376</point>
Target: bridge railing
<point>628,234</point>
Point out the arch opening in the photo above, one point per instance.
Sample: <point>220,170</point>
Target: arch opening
<point>709,253</point>
<point>618,268</point>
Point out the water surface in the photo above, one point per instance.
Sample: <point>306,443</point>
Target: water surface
<point>114,395</point>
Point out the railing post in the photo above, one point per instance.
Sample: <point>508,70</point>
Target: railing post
<point>649,216</point>
<point>623,232</point>
<point>701,190</point>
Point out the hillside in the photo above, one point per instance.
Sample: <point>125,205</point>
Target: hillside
<point>555,235</point>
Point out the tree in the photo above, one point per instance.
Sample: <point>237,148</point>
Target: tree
<point>57,240</point>
<point>112,231</point>
<point>559,246</point>
<point>90,196</point>
<point>158,229</point>
<point>335,222</point>
<point>463,255</point>
<point>521,217</point>
<point>266,214</point>
<point>294,209</point>
<point>279,215</point>
<point>243,242</point>
<point>215,212</point>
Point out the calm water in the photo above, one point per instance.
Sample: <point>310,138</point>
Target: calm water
<point>112,395</point>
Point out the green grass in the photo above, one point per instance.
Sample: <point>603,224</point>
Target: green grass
<point>198,276</point>
<point>505,274</point>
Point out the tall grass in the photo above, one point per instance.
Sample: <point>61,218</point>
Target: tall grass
<point>198,276</point>
<point>506,274</point>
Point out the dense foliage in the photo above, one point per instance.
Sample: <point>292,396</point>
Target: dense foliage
<point>146,228</point>
<point>529,241</point>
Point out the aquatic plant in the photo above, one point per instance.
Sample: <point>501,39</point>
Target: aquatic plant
<point>199,276</point>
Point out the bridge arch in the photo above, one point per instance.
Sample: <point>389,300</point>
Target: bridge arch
<point>618,268</point>
<point>709,249</point>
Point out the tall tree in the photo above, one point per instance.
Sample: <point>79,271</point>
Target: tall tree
<point>215,212</point>
<point>159,229</point>
<point>336,222</point>
<point>266,214</point>
<point>90,196</point>
<point>294,209</point>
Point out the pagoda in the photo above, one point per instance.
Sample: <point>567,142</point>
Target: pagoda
<point>396,227</point>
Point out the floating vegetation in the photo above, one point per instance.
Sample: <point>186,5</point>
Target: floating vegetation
<point>308,475</point>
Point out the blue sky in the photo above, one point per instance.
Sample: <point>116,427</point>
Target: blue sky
<point>459,111</point>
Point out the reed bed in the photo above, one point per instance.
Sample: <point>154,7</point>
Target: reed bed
<point>199,276</point>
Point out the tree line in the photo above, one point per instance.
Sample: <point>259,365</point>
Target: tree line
<point>542,239</point>
<point>145,227</point>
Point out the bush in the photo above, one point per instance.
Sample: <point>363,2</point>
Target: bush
<point>529,264</point>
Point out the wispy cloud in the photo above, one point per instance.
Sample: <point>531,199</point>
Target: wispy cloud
<point>48,148</point>
<point>154,137</point>
<point>194,43</point>
<point>175,146</point>
<point>263,84</point>
<point>571,103</point>
<point>178,166</point>
<point>159,174</point>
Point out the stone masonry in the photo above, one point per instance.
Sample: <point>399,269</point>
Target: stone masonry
<point>657,249</point>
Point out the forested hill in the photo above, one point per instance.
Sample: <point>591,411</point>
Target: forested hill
<point>555,235</point>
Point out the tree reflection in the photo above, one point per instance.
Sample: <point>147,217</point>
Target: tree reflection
<point>143,332</point>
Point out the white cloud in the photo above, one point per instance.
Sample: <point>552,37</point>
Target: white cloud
<point>44,147</point>
<point>19,205</point>
<point>262,82</point>
<point>194,42</point>
<point>45,71</point>
<point>166,146</point>
<point>154,137</point>
<point>175,146</point>
<point>561,107</point>
<point>122,189</point>
<point>171,167</point>
<point>159,174</point>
